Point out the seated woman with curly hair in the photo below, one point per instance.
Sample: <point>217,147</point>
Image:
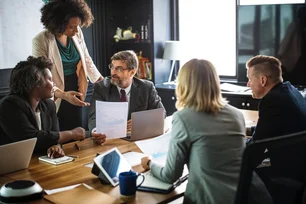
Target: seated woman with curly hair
<point>28,112</point>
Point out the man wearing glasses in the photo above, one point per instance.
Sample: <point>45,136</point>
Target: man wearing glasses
<point>123,86</point>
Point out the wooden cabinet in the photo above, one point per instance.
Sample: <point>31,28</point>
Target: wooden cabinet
<point>241,101</point>
<point>150,20</point>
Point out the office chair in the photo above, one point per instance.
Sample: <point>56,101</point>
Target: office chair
<point>296,189</point>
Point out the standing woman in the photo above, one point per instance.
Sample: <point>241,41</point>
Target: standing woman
<point>63,43</point>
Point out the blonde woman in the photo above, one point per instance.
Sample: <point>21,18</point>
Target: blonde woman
<point>207,135</point>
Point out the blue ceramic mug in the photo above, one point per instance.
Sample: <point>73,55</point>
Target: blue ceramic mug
<point>127,182</point>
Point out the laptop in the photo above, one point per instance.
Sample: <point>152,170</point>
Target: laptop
<point>146,124</point>
<point>16,156</point>
<point>108,165</point>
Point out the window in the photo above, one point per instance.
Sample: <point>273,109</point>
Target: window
<point>208,30</point>
<point>275,30</point>
<point>259,2</point>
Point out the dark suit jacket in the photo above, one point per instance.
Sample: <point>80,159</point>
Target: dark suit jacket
<point>17,122</point>
<point>283,111</point>
<point>143,96</point>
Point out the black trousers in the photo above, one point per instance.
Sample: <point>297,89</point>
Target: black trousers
<point>70,116</point>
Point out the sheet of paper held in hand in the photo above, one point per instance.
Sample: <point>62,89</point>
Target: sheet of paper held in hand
<point>111,118</point>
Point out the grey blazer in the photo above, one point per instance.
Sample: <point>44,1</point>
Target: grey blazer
<point>211,146</point>
<point>143,96</point>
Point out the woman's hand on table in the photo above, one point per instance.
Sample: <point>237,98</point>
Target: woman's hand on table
<point>55,151</point>
<point>145,163</point>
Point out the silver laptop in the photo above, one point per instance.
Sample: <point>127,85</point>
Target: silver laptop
<point>145,124</point>
<point>16,156</point>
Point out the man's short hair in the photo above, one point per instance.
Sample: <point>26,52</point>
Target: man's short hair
<point>267,65</point>
<point>128,56</point>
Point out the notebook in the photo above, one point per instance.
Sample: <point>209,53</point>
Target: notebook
<point>56,161</point>
<point>152,184</point>
<point>146,124</point>
<point>19,156</point>
<point>108,166</point>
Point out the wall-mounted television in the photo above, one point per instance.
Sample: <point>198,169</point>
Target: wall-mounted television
<point>278,30</point>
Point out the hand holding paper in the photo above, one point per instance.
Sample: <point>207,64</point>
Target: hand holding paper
<point>98,137</point>
<point>129,126</point>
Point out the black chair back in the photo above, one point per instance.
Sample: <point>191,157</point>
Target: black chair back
<point>251,153</point>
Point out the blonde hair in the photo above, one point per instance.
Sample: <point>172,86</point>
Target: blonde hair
<point>199,87</point>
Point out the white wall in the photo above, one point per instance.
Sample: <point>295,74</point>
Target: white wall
<point>208,31</point>
<point>19,23</point>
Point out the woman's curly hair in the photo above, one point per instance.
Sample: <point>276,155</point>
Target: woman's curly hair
<point>29,74</point>
<point>55,15</point>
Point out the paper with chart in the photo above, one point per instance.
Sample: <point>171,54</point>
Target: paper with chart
<point>111,118</point>
<point>133,158</point>
<point>157,148</point>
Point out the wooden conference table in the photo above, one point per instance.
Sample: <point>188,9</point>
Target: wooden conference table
<point>51,176</point>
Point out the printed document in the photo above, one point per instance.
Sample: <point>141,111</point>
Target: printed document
<point>157,147</point>
<point>111,118</point>
<point>133,158</point>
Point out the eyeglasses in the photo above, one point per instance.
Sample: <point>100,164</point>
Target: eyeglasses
<point>118,69</point>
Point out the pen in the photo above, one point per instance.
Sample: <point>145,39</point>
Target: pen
<point>180,180</point>
<point>77,146</point>
<point>73,156</point>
